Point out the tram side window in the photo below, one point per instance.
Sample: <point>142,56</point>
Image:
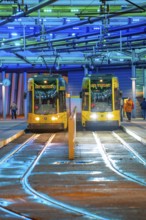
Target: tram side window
<point>62,101</point>
<point>117,99</point>
<point>30,101</point>
<point>85,101</point>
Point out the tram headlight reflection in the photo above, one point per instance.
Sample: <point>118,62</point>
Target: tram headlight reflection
<point>54,118</point>
<point>37,118</point>
<point>93,116</point>
<point>110,115</point>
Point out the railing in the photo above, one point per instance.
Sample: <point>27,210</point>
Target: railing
<point>72,134</point>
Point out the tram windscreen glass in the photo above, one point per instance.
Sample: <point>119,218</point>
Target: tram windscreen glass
<point>101,95</point>
<point>45,99</point>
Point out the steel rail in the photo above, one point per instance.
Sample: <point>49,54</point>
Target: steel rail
<point>33,137</point>
<point>111,165</point>
<point>14,213</point>
<point>29,140</point>
<point>127,146</point>
<point>47,199</point>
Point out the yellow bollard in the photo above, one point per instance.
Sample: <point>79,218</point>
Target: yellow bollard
<point>72,134</point>
<point>71,138</point>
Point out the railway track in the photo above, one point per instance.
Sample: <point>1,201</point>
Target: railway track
<point>127,149</point>
<point>37,175</point>
<point>25,157</point>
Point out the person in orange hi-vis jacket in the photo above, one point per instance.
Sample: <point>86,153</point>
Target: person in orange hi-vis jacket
<point>128,107</point>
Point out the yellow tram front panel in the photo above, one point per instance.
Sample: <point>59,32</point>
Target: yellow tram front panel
<point>54,121</point>
<point>47,102</point>
<point>101,118</point>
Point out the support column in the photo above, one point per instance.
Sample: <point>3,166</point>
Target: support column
<point>14,86</point>
<point>25,91</point>
<point>133,84</point>
<point>144,83</point>
<point>85,70</point>
<point>20,95</point>
<point>4,109</point>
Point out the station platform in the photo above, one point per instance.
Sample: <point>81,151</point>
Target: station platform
<point>136,128</point>
<point>12,129</point>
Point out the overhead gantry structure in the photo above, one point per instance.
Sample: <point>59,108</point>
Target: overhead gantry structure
<point>44,35</point>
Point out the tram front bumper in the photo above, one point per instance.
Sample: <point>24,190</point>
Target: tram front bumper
<point>46,126</point>
<point>100,125</point>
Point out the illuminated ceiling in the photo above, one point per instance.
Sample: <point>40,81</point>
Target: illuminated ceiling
<point>41,36</point>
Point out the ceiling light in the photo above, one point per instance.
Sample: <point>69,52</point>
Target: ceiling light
<point>47,10</point>
<point>74,10</point>
<point>9,27</point>
<point>17,44</point>
<point>14,34</point>
<point>96,28</point>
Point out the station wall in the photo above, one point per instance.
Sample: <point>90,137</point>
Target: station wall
<point>15,92</point>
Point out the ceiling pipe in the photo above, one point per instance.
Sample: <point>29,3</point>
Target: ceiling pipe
<point>124,35</point>
<point>103,49</point>
<point>110,30</point>
<point>80,23</point>
<point>65,69</point>
<point>91,20</point>
<point>22,58</point>
<point>23,14</point>
<point>135,5</point>
<point>90,50</point>
<point>18,48</point>
<point>105,38</point>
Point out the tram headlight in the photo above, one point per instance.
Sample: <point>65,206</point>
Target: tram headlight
<point>93,116</point>
<point>54,118</point>
<point>37,118</point>
<point>110,115</point>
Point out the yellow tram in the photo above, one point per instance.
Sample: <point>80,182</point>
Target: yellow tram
<point>47,102</point>
<point>100,101</point>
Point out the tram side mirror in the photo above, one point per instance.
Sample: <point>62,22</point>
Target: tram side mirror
<point>25,95</point>
<point>80,94</point>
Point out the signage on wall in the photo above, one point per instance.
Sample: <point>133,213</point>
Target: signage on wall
<point>6,82</point>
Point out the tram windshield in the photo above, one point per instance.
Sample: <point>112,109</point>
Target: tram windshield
<point>101,95</point>
<point>45,101</point>
<point>48,97</point>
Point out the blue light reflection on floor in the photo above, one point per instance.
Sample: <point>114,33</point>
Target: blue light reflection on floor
<point>79,172</point>
<point>42,198</point>
<point>74,162</point>
<point>15,215</point>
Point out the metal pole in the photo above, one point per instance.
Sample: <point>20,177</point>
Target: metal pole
<point>144,83</point>
<point>4,96</point>
<point>133,84</point>
<point>120,40</point>
<point>85,70</point>
<point>25,91</point>
<point>24,39</point>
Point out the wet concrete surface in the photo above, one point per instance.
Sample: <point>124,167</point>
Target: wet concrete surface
<point>86,183</point>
